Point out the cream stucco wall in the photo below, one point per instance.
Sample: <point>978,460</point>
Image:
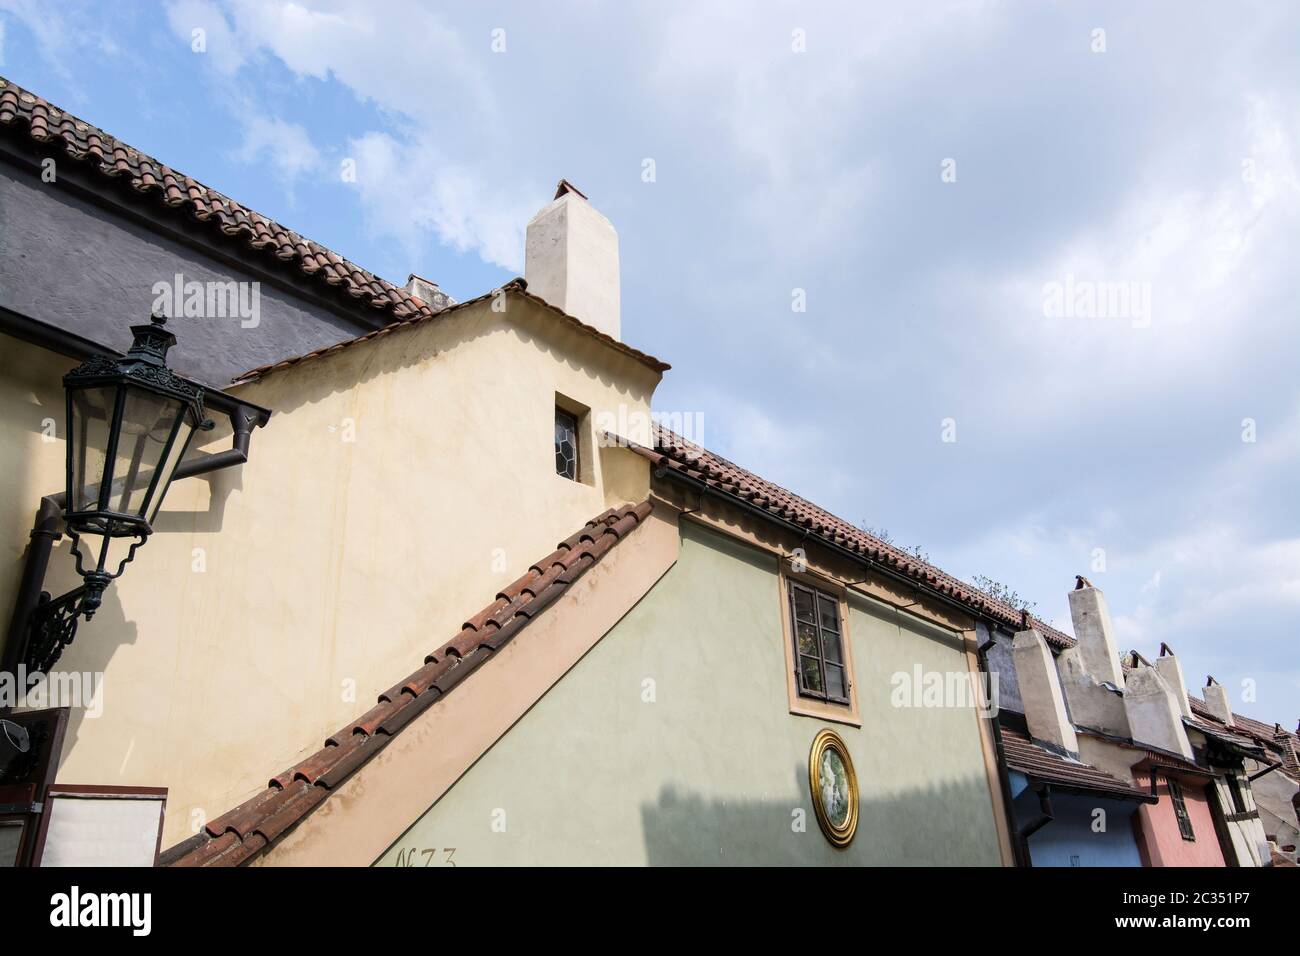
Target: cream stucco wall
<point>31,450</point>
<point>713,769</point>
<point>398,485</point>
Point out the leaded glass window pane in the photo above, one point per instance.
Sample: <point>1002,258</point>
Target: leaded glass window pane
<point>566,444</point>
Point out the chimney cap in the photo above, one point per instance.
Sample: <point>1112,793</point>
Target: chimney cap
<point>1080,582</point>
<point>1166,650</point>
<point>564,186</point>
<point>1210,681</point>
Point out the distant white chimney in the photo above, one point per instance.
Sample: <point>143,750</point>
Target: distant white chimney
<point>571,260</point>
<point>1216,699</point>
<point>1154,718</point>
<point>1168,667</point>
<point>1092,628</point>
<point>1040,691</point>
<point>427,291</point>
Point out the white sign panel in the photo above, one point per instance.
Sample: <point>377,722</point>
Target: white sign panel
<point>102,829</point>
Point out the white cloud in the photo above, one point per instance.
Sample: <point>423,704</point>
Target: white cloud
<point>219,44</point>
<point>1203,247</point>
<point>415,184</point>
<point>286,146</point>
<point>410,190</point>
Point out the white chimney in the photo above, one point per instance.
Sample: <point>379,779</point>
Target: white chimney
<point>1216,699</point>
<point>427,291</point>
<point>1154,718</point>
<point>1092,629</point>
<point>1040,691</point>
<point>571,260</point>
<point>1167,666</point>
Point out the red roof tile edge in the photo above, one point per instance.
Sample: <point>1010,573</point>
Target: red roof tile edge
<point>673,452</point>
<point>152,181</point>
<point>1027,757</point>
<point>517,286</point>
<point>249,829</point>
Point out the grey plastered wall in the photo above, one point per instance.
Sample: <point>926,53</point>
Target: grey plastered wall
<point>1001,663</point>
<point>713,769</point>
<point>80,267</point>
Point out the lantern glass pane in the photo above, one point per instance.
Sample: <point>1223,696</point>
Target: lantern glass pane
<point>174,456</point>
<point>92,419</point>
<point>147,420</point>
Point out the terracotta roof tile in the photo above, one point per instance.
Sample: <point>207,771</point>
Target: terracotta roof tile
<point>676,454</point>
<point>154,181</point>
<point>377,299</point>
<point>241,834</point>
<point>1035,761</point>
<point>1246,731</point>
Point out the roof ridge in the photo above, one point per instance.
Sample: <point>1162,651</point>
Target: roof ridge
<point>517,285</point>
<point>239,835</point>
<point>910,564</point>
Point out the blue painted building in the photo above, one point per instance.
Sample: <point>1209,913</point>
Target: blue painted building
<point>1067,813</point>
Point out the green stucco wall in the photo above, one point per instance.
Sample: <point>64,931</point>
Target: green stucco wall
<point>713,769</point>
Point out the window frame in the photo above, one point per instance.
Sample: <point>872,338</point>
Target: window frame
<point>1180,810</point>
<point>818,601</point>
<point>1235,793</point>
<point>845,710</point>
<point>576,420</point>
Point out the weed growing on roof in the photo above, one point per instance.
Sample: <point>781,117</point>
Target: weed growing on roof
<point>1001,592</point>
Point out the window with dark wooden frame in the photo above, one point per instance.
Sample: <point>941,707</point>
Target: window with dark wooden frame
<point>1234,790</point>
<point>818,644</point>
<point>566,444</point>
<point>1180,810</point>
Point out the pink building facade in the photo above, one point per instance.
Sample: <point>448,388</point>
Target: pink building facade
<point>1180,829</point>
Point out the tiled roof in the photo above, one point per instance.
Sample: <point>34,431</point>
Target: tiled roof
<point>1150,755</point>
<point>1245,731</point>
<point>673,452</point>
<point>517,286</point>
<point>1221,733</point>
<point>246,831</point>
<point>1034,761</point>
<point>152,181</point>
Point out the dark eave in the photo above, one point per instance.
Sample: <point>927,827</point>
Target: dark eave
<point>74,346</point>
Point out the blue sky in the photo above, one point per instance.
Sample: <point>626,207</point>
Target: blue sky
<point>808,148</point>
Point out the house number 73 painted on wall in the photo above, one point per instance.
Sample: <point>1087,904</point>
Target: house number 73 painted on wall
<point>411,856</point>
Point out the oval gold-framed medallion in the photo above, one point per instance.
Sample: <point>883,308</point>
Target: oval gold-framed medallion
<point>834,787</point>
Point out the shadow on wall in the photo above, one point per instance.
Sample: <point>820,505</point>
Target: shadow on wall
<point>95,645</point>
<point>220,485</point>
<point>947,825</point>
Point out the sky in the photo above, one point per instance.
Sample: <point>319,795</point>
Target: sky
<point>1015,282</point>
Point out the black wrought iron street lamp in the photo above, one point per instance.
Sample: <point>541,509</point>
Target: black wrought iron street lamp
<point>130,420</point>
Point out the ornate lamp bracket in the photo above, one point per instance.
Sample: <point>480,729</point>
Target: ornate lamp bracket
<point>54,620</point>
